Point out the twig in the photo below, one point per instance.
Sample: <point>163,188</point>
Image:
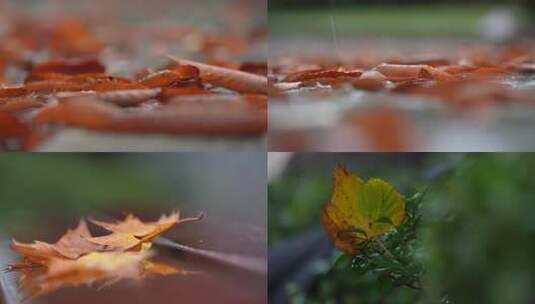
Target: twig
<point>387,252</point>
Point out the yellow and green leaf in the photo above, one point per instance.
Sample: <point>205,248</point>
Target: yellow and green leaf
<point>360,211</point>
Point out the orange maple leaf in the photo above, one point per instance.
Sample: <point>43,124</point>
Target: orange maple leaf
<point>71,245</point>
<point>78,258</point>
<point>131,233</point>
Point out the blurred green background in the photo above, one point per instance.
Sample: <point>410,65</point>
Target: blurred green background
<point>476,236</point>
<point>38,187</point>
<point>389,17</point>
<point>41,194</point>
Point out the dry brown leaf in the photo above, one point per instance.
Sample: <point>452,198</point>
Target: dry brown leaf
<point>399,72</point>
<point>228,78</point>
<point>166,78</point>
<point>318,74</point>
<point>71,246</point>
<point>12,92</point>
<point>132,232</point>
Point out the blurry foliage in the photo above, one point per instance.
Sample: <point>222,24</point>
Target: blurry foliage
<point>450,18</point>
<point>406,20</point>
<point>394,258</point>
<point>387,270</point>
<point>324,3</point>
<point>481,245</point>
<point>41,185</point>
<point>470,237</point>
<point>294,205</point>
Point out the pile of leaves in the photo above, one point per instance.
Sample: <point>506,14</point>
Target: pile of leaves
<point>474,77</point>
<point>474,82</point>
<point>79,258</point>
<point>55,73</point>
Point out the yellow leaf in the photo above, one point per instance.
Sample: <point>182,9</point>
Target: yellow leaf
<point>78,258</point>
<point>121,240</point>
<point>131,233</point>
<point>360,211</point>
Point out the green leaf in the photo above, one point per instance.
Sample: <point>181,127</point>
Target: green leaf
<point>342,262</point>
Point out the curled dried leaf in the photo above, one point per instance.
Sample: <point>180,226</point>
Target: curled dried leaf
<point>167,78</point>
<point>71,246</point>
<point>131,233</point>
<point>49,86</point>
<point>399,72</point>
<point>228,78</point>
<point>318,74</point>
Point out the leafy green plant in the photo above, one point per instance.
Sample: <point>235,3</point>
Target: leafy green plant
<point>468,236</point>
<point>392,259</point>
<point>480,238</point>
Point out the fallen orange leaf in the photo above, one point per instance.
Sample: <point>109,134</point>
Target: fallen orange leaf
<point>71,246</point>
<point>132,232</point>
<point>78,258</point>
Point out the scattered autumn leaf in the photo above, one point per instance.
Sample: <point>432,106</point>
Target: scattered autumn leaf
<point>228,78</point>
<point>71,245</point>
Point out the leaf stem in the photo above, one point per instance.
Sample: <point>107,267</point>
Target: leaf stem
<point>386,251</point>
